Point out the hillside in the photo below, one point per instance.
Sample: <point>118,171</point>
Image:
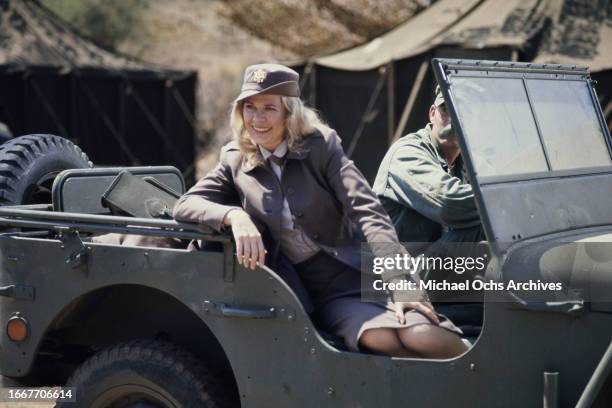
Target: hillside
<point>219,38</point>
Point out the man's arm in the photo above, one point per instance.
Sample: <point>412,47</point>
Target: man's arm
<point>419,182</point>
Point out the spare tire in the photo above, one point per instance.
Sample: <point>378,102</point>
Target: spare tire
<point>28,165</point>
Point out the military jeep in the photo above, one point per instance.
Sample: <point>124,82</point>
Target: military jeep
<point>148,326</point>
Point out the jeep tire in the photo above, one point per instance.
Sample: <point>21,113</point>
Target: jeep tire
<point>144,373</point>
<point>28,165</point>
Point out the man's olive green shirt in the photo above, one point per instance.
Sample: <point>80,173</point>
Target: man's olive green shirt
<point>421,194</point>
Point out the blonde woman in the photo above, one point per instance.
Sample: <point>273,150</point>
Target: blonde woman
<point>286,189</point>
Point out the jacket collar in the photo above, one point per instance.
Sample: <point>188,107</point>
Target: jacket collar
<point>280,151</point>
<point>260,161</point>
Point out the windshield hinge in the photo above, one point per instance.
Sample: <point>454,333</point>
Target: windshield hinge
<point>72,243</point>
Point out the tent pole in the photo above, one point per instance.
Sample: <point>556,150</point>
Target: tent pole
<point>166,107</point>
<point>159,129</point>
<point>121,113</point>
<point>184,109</point>
<point>390,101</point>
<point>607,113</point>
<point>369,111</point>
<point>313,86</point>
<point>49,108</point>
<point>171,91</point>
<point>416,87</point>
<point>109,123</point>
<point>306,77</point>
<point>73,111</point>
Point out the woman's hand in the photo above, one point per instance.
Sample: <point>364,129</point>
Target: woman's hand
<point>250,250</point>
<point>424,306</point>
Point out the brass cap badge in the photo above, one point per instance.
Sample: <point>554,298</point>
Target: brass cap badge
<point>259,76</point>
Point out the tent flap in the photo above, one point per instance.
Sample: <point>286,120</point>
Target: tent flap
<point>561,32</point>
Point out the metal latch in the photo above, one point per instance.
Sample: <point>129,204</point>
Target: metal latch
<point>18,292</point>
<point>569,307</point>
<point>72,243</point>
<point>248,312</point>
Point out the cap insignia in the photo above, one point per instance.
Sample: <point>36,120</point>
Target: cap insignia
<point>259,75</point>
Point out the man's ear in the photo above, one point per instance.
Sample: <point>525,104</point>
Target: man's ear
<point>432,113</point>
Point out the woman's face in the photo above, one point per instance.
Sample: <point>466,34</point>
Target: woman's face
<point>264,119</point>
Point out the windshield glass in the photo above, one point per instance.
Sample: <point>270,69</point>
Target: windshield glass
<point>501,132</point>
<point>568,123</point>
<point>495,116</point>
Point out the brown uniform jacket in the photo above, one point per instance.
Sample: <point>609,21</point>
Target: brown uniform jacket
<point>329,198</point>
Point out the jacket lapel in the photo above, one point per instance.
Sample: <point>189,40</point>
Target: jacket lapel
<point>247,166</point>
<point>301,155</point>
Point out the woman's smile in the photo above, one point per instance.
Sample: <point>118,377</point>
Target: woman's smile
<point>260,129</point>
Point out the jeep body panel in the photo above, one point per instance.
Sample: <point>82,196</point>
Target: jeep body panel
<point>283,355</point>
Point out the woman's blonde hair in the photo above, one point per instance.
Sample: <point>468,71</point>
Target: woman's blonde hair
<point>300,121</point>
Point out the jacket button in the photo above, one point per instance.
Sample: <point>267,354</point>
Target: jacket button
<point>290,191</point>
<point>315,235</point>
<point>299,214</point>
<point>335,253</point>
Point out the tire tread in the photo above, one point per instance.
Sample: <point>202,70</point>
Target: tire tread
<point>172,359</point>
<point>17,154</point>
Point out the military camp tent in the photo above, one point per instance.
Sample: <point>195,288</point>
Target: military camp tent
<point>120,111</point>
<point>378,91</point>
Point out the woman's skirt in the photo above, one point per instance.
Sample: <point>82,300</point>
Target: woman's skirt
<point>336,290</point>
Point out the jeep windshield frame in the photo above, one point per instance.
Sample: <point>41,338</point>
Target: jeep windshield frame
<point>524,127</point>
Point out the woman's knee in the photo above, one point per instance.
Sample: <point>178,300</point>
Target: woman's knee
<point>383,341</point>
<point>431,341</point>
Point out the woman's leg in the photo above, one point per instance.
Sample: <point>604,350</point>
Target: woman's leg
<point>385,341</point>
<point>431,341</point>
<point>424,340</point>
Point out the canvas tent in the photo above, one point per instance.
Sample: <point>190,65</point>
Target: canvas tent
<point>378,91</point>
<point>118,110</point>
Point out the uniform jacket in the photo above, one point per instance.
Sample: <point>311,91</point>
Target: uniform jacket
<point>419,191</point>
<point>330,199</point>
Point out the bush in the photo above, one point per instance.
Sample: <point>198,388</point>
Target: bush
<point>106,22</point>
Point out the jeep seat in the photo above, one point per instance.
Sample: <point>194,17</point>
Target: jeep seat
<point>81,190</point>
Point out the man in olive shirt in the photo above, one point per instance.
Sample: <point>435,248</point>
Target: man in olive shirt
<point>423,186</point>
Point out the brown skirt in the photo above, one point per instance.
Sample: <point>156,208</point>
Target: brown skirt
<point>335,289</point>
